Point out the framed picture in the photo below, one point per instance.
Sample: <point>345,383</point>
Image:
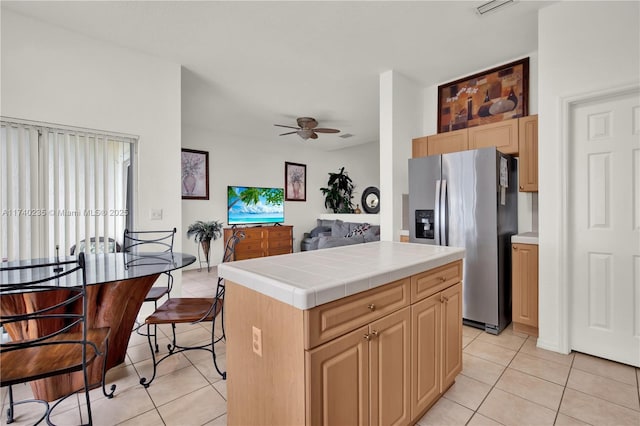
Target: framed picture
<point>195,174</point>
<point>295,182</point>
<point>490,96</point>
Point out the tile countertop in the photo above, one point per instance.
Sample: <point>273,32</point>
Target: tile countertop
<point>311,278</point>
<point>525,238</point>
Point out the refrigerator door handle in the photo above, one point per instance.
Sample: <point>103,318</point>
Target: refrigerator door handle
<point>436,214</point>
<point>444,222</point>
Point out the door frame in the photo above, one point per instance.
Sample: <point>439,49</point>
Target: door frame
<point>565,284</point>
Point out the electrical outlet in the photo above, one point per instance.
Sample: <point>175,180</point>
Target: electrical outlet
<point>257,341</point>
<point>155,214</point>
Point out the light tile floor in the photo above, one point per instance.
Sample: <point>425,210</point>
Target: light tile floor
<point>506,380</point>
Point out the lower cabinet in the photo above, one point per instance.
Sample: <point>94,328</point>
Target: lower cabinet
<point>436,339</point>
<point>363,377</point>
<point>524,284</point>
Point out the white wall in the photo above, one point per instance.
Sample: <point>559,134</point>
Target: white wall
<point>237,161</point>
<point>583,47</point>
<point>400,121</point>
<point>57,76</point>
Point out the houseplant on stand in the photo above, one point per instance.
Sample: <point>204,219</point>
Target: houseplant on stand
<point>203,233</point>
<point>339,192</point>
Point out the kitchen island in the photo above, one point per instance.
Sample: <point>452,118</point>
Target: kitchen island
<point>354,335</point>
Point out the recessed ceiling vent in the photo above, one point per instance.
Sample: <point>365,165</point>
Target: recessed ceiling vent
<point>492,6</point>
<point>346,135</point>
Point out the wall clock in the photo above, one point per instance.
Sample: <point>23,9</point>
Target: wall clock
<point>371,200</point>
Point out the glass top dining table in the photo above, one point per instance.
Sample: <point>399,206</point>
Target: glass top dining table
<point>100,268</point>
<point>117,284</point>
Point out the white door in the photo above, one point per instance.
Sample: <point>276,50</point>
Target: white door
<point>604,227</point>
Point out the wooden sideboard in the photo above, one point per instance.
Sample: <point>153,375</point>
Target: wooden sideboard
<point>261,241</point>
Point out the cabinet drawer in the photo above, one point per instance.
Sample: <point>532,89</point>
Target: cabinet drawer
<point>277,251</point>
<point>333,319</point>
<point>435,280</point>
<point>283,234</point>
<point>248,246</point>
<point>273,244</point>
<point>252,235</point>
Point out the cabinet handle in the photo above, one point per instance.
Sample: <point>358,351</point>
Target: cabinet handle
<point>443,299</point>
<point>521,187</point>
<point>515,247</point>
<point>367,337</point>
<point>443,279</point>
<point>372,307</point>
<point>374,332</point>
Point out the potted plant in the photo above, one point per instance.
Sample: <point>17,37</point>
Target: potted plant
<point>204,232</point>
<point>339,192</point>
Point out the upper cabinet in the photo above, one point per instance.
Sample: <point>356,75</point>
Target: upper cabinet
<point>518,137</point>
<point>528,141</point>
<point>503,135</point>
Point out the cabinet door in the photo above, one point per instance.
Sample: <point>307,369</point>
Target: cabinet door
<point>525,284</point>
<point>528,142</point>
<point>503,135</point>
<point>425,343</point>
<point>451,300</point>
<point>338,381</point>
<point>419,147</point>
<point>443,143</point>
<point>390,347</point>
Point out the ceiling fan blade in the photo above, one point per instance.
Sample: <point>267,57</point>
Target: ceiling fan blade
<point>322,130</point>
<point>288,127</point>
<point>288,133</point>
<point>314,136</point>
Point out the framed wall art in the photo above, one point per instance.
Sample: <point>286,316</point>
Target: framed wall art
<point>295,181</point>
<point>490,96</point>
<point>195,174</point>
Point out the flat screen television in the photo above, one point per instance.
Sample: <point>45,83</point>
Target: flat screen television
<point>253,205</point>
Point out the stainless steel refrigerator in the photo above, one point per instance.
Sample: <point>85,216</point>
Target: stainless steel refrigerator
<point>469,199</point>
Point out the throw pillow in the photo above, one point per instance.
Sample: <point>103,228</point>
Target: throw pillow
<point>339,228</point>
<point>359,230</point>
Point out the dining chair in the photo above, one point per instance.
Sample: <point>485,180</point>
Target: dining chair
<point>51,338</point>
<point>111,246</point>
<point>152,241</point>
<point>193,310</point>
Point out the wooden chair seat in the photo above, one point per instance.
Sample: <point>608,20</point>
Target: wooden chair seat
<point>156,293</point>
<point>185,310</point>
<point>38,362</point>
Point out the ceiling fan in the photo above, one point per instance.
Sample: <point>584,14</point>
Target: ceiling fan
<point>307,128</point>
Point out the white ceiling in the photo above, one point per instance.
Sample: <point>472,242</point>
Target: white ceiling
<point>249,65</point>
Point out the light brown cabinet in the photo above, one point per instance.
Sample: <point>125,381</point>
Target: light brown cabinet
<point>261,241</point>
<point>443,143</point>
<point>503,135</point>
<point>351,376</point>
<point>420,147</point>
<point>372,358</point>
<point>524,284</point>
<point>518,136</point>
<point>528,147</point>
<point>436,340</point>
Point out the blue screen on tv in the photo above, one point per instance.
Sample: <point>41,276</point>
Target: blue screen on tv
<point>250,204</point>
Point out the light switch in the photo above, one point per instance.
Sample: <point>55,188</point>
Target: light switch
<point>155,214</point>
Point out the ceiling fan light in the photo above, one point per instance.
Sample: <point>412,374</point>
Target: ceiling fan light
<point>305,133</point>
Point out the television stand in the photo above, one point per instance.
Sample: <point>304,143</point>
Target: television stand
<point>262,241</point>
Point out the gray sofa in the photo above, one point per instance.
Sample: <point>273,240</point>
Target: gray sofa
<point>336,233</point>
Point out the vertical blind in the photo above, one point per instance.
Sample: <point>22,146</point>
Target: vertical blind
<point>60,186</point>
